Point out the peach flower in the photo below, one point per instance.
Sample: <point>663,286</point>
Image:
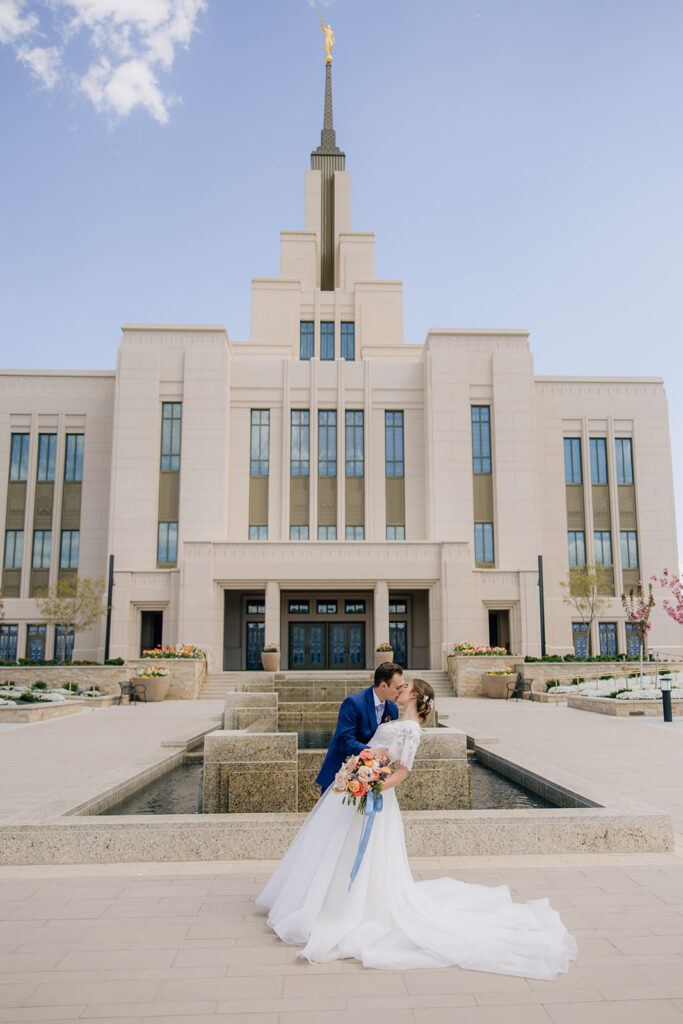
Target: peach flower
<point>355,787</point>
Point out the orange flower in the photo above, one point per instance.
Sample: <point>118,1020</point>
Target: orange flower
<point>355,787</point>
<point>366,754</point>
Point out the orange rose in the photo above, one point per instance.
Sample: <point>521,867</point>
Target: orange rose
<point>355,787</point>
<point>366,753</point>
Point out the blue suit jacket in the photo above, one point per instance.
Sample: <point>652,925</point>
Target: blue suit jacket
<point>356,724</point>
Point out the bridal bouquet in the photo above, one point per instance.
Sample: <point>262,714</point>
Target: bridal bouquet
<point>362,774</point>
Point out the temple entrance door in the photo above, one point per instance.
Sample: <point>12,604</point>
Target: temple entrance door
<point>326,645</point>
<point>307,645</point>
<point>256,632</point>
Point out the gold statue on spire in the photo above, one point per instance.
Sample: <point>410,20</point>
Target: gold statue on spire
<point>329,38</point>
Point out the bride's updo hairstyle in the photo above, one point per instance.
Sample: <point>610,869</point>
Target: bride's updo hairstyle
<point>425,698</point>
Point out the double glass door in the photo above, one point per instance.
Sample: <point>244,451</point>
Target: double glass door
<point>327,645</point>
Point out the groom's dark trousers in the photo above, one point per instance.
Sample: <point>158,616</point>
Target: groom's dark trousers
<point>356,725</point>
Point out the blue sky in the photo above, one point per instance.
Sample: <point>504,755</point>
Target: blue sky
<point>520,162</point>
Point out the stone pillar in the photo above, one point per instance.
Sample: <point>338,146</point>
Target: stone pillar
<point>381,613</point>
<point>248,772</point>
<point>272,612</point>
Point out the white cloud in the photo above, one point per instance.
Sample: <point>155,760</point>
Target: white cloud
<point>130,42</point>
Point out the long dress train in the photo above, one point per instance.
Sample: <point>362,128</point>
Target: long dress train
<point>388,920</point>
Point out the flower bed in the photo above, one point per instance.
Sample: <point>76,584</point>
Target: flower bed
<point>470,650</point>
<point>637,705</point>
<point>179,651</point>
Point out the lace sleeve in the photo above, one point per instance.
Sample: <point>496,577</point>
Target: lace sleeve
<point>404,744</point>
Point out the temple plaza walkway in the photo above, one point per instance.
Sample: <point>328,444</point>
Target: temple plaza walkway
<point>184,943</point>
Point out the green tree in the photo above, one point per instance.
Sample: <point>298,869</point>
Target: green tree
<point>587,589</point>
<point>73,603</point>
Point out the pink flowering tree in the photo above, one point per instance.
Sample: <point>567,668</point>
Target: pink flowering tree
<point>638,607</point>
<point>673,606</point>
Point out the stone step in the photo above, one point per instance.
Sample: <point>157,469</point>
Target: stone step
<point>218,684</point>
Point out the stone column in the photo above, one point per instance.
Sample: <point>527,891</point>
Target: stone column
<point>381,613</point>
<point>272,612</point>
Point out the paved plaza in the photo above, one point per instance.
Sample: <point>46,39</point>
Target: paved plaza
<point>184,942</point>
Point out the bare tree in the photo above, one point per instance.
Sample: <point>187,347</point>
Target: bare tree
<point>587,589</point>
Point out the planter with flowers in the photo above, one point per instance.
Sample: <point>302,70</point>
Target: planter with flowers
<point>497,682</point>
<point>270,657</point>
<point>156,682</point>
<point>383,652</point>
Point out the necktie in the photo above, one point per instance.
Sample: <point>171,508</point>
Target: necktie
<point>379,708</point>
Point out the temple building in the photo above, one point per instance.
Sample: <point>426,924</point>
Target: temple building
<point>325,485</point>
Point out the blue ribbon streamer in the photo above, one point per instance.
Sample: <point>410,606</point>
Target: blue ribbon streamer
<point>372,807</point>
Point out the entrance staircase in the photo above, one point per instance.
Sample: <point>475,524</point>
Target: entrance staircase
<point>218,684</point>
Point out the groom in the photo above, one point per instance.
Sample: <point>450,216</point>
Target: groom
<point>359,716</point>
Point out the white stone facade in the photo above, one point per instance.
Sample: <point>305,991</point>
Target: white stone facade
<point>219,382</point>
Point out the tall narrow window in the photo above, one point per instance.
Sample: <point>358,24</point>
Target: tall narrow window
<point>64,643</point>
<point>572,460</point>
<point>327,339</point>
<point>18,462</point>
<point>629,549</point>
<point>260,430</point>
<point>47,456</point>
<point>327,442</point>
<point>598,460</point>
<point>171,413</point>
<point>624,454</point>
<point>167,546</point>
<point>355,458</point>
<point>42,547</point>
<point>73,463</point>
<point>481,438</point>
<point>603,547</point>
<point>393,443</point>
<point>300,454</point>
<point>577,548</point>
<point>483,542</point>
<point>306,339</point>
<point>607,631</point>
<point>348,341</point>
<point>9,633</point>
<point>68,555</point>
<point>14,549</point>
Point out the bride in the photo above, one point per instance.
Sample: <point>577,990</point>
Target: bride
<point>386,919</point>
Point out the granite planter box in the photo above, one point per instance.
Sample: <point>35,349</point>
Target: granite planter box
<point>42,712</point>
<point>622,708</point>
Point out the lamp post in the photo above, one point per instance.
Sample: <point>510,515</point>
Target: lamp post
<point>666,690</point>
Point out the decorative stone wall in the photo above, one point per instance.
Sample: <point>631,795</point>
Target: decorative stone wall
<point>255,712</point>
<point>38,712</point>
<point>466,671</point>
<point>247,772</point>
<point>623,708</point>
<point>187,675</point>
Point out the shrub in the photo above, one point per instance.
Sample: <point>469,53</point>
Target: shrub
<point>40,685</point>
<point>552,683</point>
<point>29,698</point>
<point>115,661</point>
<point>577,679</point>
<point>605,677</point>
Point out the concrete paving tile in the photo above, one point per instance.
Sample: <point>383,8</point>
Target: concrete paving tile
<point>11,963</point>
<point>55,993</point>
<point>43,977</point>
<point>654,1011</point>
<point>662,974</point>
<point>217,989</point>
<point>537,998</point>
<point>650,944</point>
<point>30,1014</point>
<point>281,1005</point>
<point>146,1011</point>
<point>318,985</point>
<point>137,908</point>
<point>380,1004</point>
<point>484,1015</point>
<point>324,1016</point>
<point>121,959</point>
<point>16,994</point>
<point>597,899</point>
<point>231,955</point>
<point>596,977</point>
<point>53,910</point>
<point>173,973</point>
<point>454,979</point>
<point>147,937</point>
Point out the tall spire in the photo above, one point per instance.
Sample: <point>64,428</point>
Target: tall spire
<point>327,158</point>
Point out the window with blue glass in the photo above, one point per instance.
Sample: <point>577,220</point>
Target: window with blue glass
<point>327,442</point>
<point>355,457</point>
<point>260,441</point>
<point>258,533</point>
<point>18,460</point>
<point>393,443</point>
<point>624,455</point>
<point>300,442</point>
<point>632,639</point>
<point>603,547</point>
<point>576,540</point>
<point>327,339</point>
<point>64,643</point>
<point>327,533</point>
<point>483,542</point>
<point>298,533</point>
<point>68,555</point>
<point>572,460</point>
<point>73,462</point>
<point>629,549</point>
<point>598,447</point>
<point>167,547</point>
<point>9,632</point>
<point>306,339</point>
<point>348,340</point>
<point>42,548</point>
<point>481,438</point>
<point>171,413</point>
<point>396,533</point>
<point>355,533</point>
<point>580,638</point>
<point>607,631</point>
<point>14,549</point>
<point>35,641</point>
<point>47,456</point>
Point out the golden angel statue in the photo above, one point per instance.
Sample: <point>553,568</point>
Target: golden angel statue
<point>329,38</point>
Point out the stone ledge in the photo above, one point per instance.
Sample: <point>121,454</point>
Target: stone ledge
<point>622,708</point>
<point>208,837</point>
<point>21,713</point>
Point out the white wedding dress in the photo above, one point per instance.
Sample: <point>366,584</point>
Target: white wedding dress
<point>388,920</point>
